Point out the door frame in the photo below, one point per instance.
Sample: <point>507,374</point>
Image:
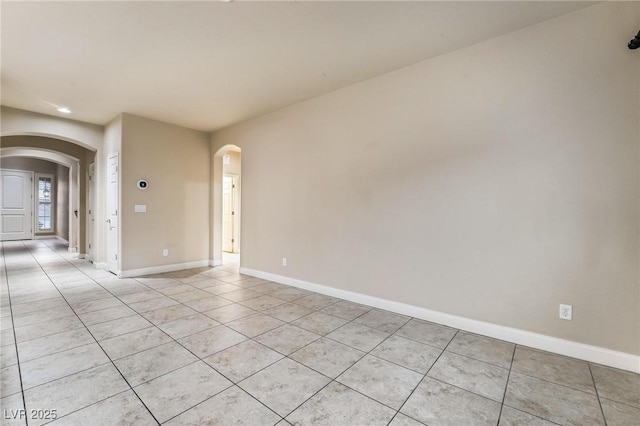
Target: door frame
<point>36,204</point>
<point>91,210</point>
<point>116,243</point>
<point>235,199</point>
<point>31,187</point>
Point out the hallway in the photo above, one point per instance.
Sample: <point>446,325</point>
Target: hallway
<point>212,346</point>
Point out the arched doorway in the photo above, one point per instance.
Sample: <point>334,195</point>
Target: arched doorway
<point>227,206</point>
<point>71,187</point>
<point>76,159</point>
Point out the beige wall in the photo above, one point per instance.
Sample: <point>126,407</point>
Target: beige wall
<point>493,183</point>
<point>29,164</point>
<point>175,162</point>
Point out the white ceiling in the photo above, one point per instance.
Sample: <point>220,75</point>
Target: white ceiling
<point>206,65</point>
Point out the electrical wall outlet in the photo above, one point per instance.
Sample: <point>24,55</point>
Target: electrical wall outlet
<point>284,261</point>
<point>566,312</point>
<point>165,252</point>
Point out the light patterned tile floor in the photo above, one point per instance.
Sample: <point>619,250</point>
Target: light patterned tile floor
<point>211,346</point>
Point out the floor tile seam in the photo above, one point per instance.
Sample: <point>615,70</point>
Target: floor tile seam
<point>425,374</point>
<point>379,329</point>
<point>115,366</point>
<point>299,405</point>
<point>110,295</point>
<point>594,394</point>
<point>504,394</point>
<point>171,320</point>
<point>255,309</point>
<point>466,390</point>
<point>174,340</point>
<point>613,369</point>
<point>397,410</point>
<point>481,360</point>
<point>34,301</point>
<point>213,396</point>
<point>58,352</point>
<point>113,359</point>
<point>405,414</point>
<point>532,414</point>
<point>102,339</point>
<point>423,343</point>
<point>195,405</point>
<point>626,404</point>
<point>113,319</point>
<point>107,361</point>
<point>24,402</point>
<point>593,379</point>
<point>237,383</point>
<point>362,357</point>
<point>192,362</point>
<point>90,405</point>
<point>352,347</point>
<point>397,364</point>
<point>190,333</point>
<point>48,320</point>
<point>101,309</point>
<point>275,350</point>
<point>47,335</point>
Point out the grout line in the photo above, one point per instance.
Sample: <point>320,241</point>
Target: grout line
<point>107,355</point>
<point>13,328</point>
<point>424,376</point>
<point>506,386</point>
<point>593,380</point>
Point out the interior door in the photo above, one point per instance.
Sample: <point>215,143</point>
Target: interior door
<point>112,214</point>
<point>17,205</point>
<point>90,211</point>
<point>227,214</point>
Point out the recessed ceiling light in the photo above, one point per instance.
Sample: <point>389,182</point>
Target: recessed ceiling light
<point>64,110</point>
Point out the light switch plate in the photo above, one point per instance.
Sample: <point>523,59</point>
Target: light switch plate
<point>141,208</point>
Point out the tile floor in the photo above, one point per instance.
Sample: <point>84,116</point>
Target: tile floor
<point>210,346</point>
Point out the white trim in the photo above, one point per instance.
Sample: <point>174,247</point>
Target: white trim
<point>215,262</point>
<point>44,236</point>
<point>100,265</point>
<point>162,268</point>
<point>53,202</point>
<point>590,353</point>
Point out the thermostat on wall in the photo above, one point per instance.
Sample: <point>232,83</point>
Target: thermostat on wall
<point>143,184</point>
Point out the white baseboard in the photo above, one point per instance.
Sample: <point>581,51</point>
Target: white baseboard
<point>100,265</point>
<point>163,268</point>
<point>215,262</point>
<point>578,350</point>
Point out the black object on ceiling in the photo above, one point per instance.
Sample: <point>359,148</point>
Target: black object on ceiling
<point>635,42</point>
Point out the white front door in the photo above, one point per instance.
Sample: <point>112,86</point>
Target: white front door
<point>17,205</point>
<point>112,214</point>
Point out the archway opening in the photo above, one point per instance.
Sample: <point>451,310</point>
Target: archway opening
<point>71,179</point>
<point>227,206</point>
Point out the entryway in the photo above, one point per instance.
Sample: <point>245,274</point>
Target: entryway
<point>227,187</point>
